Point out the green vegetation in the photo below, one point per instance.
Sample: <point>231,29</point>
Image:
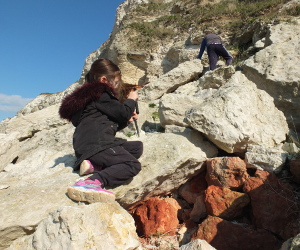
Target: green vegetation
<point>228,15</point>
<point>129,134</point>
<point>151,8</point>
<point>152,105</point>
<point>155,116</point>
<point>295,11</point>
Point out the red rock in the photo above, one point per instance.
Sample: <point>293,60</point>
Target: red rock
<point>295,169</point>
<point>274,204</point>
<point>225,203</point>
<point>230,172</point>
<point>193,188</point>
<point>224,235</point>
<point>157,216</point>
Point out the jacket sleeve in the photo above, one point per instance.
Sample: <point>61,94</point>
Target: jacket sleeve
<point>202,48</point>
<point>115,110</point>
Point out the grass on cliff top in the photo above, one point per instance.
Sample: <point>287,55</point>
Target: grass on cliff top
<point>195,13</point>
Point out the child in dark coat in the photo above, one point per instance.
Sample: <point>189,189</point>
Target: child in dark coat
<point>95,111</point>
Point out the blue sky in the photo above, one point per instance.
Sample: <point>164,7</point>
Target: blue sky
<point>43,45</point>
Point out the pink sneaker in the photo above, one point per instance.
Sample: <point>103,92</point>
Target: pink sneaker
<point>86,167</point>
<point>90,191</point>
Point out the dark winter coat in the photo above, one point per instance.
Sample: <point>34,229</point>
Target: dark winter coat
<point>97,115</point>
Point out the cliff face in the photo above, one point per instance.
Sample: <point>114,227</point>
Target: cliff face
<point>187,114</point>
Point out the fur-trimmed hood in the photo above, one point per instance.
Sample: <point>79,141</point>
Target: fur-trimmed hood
<point>82,96</point>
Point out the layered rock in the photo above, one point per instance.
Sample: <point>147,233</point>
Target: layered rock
<point>275,69</point>
<point>236,111</point>
<point>239,114</point>
<point>97,226</point>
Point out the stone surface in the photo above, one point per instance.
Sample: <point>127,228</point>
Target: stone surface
<point>185,72</point>
<point>269,159</point>
<point>199,209</point>
<point>274,204</point>
<point>227,172</point>
<point>157,216</point>
<point>224,203</point>
<point>275,69</point>
<point>36,146</point>
<point>197,245</point>
<point>225,235</point>
<point>237,115</point>
<point>97,226</point>
<point>193,188</point>
<point>166,165</point>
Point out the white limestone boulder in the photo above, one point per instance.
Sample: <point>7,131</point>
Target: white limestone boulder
<point>185,72</point>
<point>168,161</point>
<point>268,159</point>
<point>238,115</point>
<point>97,226</point>
<point>275,69</point>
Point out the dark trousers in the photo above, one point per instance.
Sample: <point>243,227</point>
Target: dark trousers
<point>216,50</point>
<point>119,163</point>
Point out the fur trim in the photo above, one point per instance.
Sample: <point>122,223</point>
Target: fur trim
<point>82,96</point>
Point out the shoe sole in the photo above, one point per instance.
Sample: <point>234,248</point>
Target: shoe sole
<point>90,196</point>
<point>85,168</point>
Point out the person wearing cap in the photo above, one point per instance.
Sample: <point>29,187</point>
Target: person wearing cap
<point>213,44</point>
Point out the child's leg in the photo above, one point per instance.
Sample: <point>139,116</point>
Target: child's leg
<point>118,166</point>
<point>134,147</point>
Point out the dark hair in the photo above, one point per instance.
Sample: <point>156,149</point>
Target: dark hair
<point>102,67</point>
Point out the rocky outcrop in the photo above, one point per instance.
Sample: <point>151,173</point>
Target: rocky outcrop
<point>184,73</point>
<point>270,197</point>
<point>204,116</point>
<point>275,69</point>
<point>168,161</point>
<point>223,234</point>
<point>97,226</point>
<point>238,114</point>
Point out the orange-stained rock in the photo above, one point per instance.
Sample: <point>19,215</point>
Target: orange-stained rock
<point>230,172</point>
<point>224,235</point>
<point>157,216</point>
<point>193,188</point>
<point>225,203</point>
<point>274,204</point>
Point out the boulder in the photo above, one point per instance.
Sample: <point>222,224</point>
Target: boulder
<point>168,161</point>
<point>268,159</point>
<point>225,203</point>
<point>225,235</point>
<point>96,226</point>
<point>275,69</point>
<point>157,216</point>
<point>274,204</point>
<point>230,172</point>
<point>185,72</point>
<point>237,115</point>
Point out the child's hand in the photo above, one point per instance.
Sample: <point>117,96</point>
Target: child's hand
<point>134,117</point>
<point>133,95</point>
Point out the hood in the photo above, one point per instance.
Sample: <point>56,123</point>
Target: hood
<point>82,96</point>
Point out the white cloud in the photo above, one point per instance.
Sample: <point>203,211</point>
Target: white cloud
<point>12,103</point>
